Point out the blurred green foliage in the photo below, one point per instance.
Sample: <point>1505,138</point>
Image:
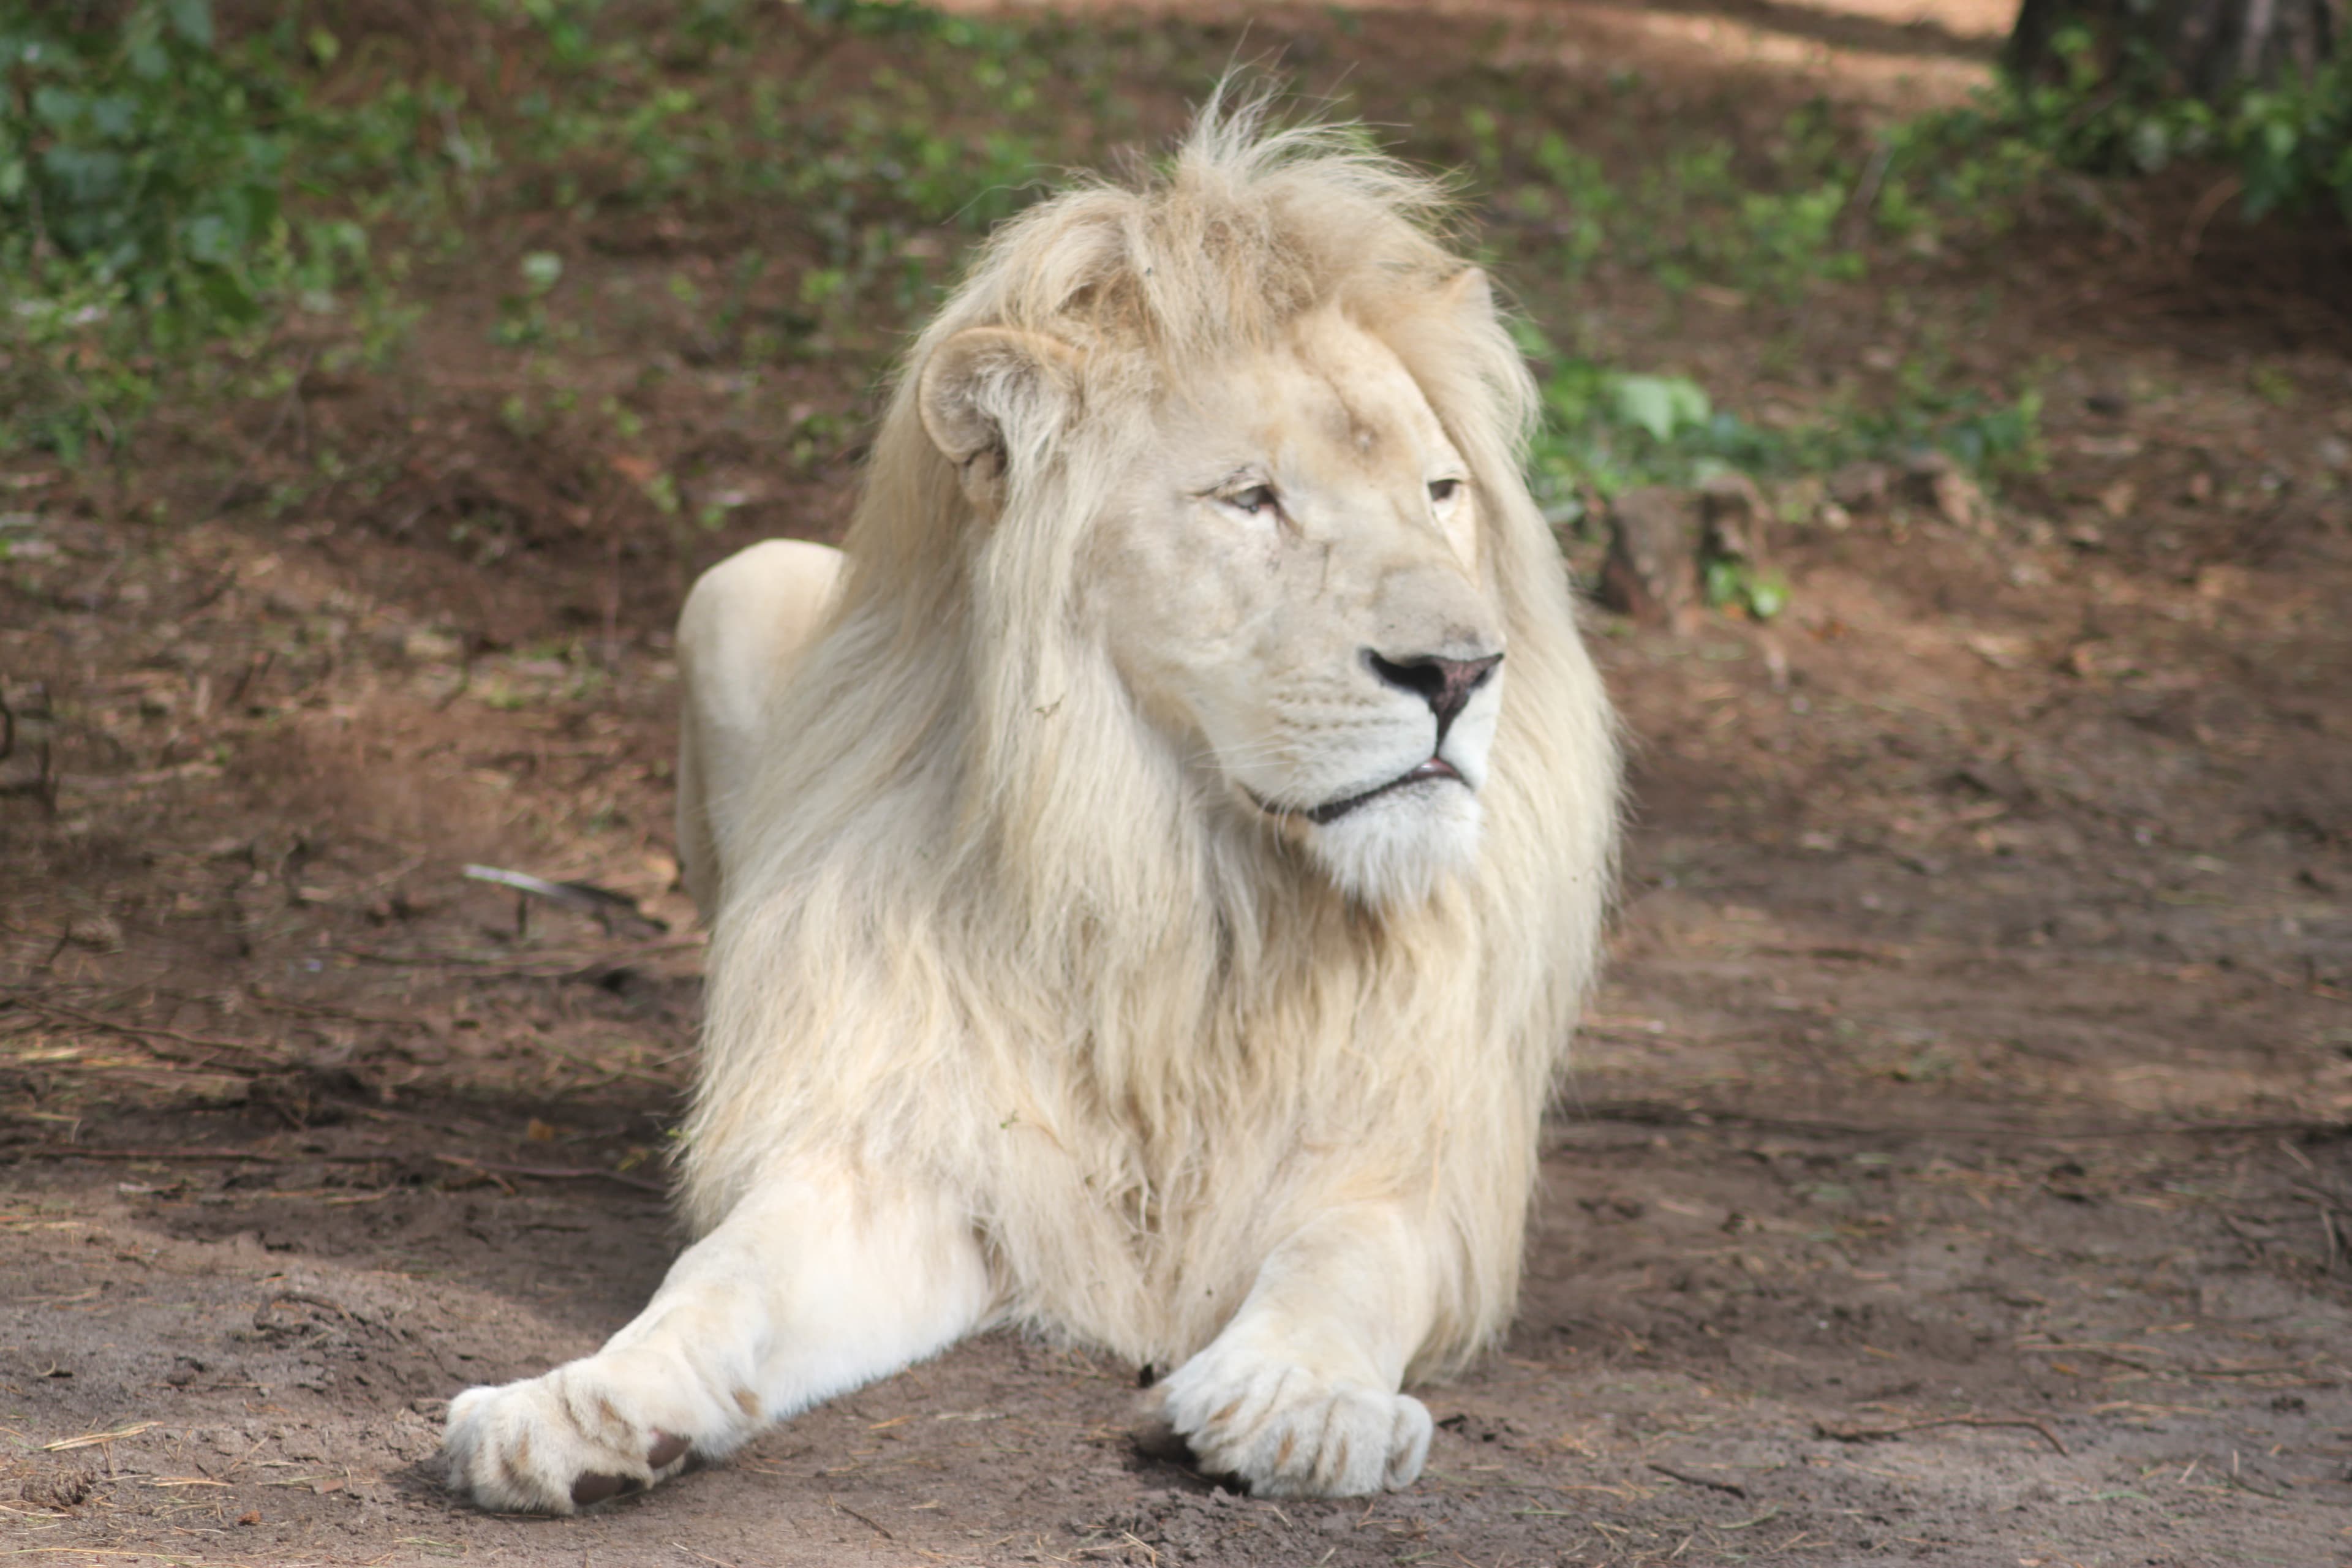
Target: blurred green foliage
<point>2120,109</point>
<point>1606,431</point>
<point>145,167</point>
<point>181,209</point>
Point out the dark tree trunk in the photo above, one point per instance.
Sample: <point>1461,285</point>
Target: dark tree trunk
<point>2206,47</point>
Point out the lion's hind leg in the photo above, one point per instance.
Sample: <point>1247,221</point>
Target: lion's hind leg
<point>746,623</point>
<point>809,1287</point>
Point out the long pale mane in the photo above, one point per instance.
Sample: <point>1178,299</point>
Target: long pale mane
<point>985,924</point>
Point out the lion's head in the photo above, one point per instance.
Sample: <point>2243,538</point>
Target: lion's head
<point>1251,436</point>
<point>1288,571</point>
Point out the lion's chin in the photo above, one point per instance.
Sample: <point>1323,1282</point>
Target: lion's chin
<point>1396,851</point>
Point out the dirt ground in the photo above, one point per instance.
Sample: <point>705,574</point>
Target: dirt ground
<point>1957,1169</point>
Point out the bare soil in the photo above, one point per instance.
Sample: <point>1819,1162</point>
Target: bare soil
<point>1957,1168</point>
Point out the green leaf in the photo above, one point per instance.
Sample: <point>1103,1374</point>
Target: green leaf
<point>57,106</point>
<point>193,20</point>
<point>1661,404</point>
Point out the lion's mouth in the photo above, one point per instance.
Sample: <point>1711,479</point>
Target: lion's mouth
<point>1331,811</point>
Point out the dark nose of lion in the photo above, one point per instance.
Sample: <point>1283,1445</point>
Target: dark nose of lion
<point>1446,684</point>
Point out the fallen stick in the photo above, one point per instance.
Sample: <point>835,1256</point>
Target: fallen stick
<point>147,1035</point>
<point>1733,1487</point>
<point>1666,1113</point>
<point>554,1173</point>
<point>1871,1434</point>
<point>88,1439</point>
<point>256,1156</point>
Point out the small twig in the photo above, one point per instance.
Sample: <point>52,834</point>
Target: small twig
<point>258,1157</point>
<point>210,597</point>
<point>1871,1434</point>
<point>1665,1113</point>
<point>2193,233</point>
<point>553,1173</point>
<point>1865,192</point>
<point>90,1439</point>
<point>183,1156</point>
<point>148,1036</point>
<point>42,785</point>
<point>255,668</point>
<point>269,998</point>
<point>2253,1244</point>
<point>603,903</point>
<point>1733,1487</point>
<point>862,1520</point>
<point>465,680</point>
<point>290,405</point>
<point>612,649</point>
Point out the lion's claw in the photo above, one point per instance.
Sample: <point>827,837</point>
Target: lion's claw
<point>1287,1432</point>
<point>593,1488</point>
<point>584,1434</point>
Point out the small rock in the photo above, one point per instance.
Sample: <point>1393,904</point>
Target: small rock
<point>213,1089</point>
<point>431,648</point>
<point>1652,573</point>
<point>2335,453</point>
<point>64,1490</point>
<point>1936,481</point>
<point>99,934</point>
<point>1861,487</point>
<point>1735,516</point>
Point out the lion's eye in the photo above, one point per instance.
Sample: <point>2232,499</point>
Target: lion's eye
<point>1255,499</point>
<point>1443,491</point>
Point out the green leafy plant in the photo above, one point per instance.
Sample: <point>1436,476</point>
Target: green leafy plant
<point>1762,592</point>
<point>145,165</point>
<point>1607,430</point>
<point>2289,144</point>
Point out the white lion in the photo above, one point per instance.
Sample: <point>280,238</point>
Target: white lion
<point>1152,891</point>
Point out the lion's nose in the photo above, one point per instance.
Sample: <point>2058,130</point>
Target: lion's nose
<point>1446,684</point>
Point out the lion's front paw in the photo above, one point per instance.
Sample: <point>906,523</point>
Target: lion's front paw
<point>1288,1431</point>
<point>557,1443</point>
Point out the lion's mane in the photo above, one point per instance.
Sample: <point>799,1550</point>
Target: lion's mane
<point>980,928</point>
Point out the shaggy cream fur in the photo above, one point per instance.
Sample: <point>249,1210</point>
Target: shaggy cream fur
<point>1146,913</point>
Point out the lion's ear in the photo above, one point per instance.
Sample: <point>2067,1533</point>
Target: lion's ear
<point>989,392</point>
<point>1468,295</point>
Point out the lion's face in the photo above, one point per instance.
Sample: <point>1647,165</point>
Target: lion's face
<point>1291,583</point>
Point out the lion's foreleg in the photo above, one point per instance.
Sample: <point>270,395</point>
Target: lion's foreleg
<point>1299,1394</point>
<point>810,1286</point>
